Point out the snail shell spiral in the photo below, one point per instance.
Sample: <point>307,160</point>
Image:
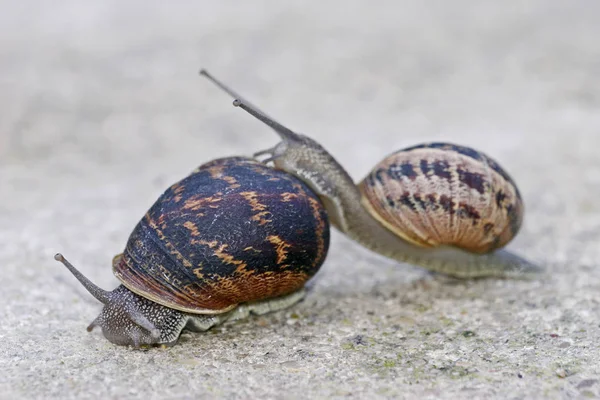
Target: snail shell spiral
<point>443,194</point>
<point>233,231</point>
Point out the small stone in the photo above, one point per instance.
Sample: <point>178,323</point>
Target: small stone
<point>359,340</point>
<point>290,365</point>
<point>190,362</point>
<point>586,383</point>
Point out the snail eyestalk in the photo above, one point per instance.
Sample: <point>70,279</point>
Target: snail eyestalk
<point>220,84</point>
<point>102,295</point>
<point>285,133</point>
<point>226,88</point>
<point>244,104</point>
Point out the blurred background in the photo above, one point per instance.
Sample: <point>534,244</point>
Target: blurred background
<point>79,76</point>
<point>101,92</point>
<point>101,108</point>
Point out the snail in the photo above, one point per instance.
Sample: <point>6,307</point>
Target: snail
<point>233,238</point>
<point>447,208</point>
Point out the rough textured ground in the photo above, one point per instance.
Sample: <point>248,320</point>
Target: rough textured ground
<point>101,109</point>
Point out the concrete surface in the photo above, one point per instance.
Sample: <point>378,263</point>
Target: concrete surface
<point>102,108</point>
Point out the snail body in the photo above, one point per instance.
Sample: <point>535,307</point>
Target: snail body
<point>443,207</point>
<point>232,238</point>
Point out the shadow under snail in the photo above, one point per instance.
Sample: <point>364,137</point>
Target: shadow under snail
<point>237,237</point>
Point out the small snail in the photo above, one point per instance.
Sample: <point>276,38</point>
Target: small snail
<point>234,237</point>
<point>440,206</point>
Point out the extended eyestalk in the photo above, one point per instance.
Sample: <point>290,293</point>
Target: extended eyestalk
<point>226,88</point>
<point>282,131</point>
<point>102,295</point>
<point>220,84</point>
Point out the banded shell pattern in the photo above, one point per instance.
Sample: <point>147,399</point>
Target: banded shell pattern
<point>233,231</point>
<point>444,194</point>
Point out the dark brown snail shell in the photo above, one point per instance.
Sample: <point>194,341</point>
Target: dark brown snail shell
<point>233,231</point>
<point>444,194</point>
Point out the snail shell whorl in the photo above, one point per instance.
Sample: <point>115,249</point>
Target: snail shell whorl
<point>233,231</point>
<point>443,194</point>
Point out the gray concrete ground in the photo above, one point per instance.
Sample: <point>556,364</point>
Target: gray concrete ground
<point>101,109</point>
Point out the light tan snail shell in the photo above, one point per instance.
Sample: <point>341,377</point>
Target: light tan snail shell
<point>443,194</point>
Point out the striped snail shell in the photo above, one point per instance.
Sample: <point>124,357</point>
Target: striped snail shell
<point>443,194</point>
<point>233,231</point>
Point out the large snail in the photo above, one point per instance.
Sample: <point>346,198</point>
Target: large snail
<point>235,237</point>
<point>440,206</point>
